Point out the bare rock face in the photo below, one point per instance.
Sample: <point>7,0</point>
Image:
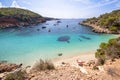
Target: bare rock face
<point>6,67</point>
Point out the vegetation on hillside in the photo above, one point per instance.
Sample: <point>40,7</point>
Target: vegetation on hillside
<point>18,17</point>
<point>110,21</point>
<point>110,50</point>
<point>17,13</point>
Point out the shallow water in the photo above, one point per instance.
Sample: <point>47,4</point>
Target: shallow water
<point>28,44</point>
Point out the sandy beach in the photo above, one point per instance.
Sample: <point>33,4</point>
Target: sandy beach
<point>72,60</point>
<point>118,35</point>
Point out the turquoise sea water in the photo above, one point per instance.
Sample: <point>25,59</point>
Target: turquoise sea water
<point>26,45</point>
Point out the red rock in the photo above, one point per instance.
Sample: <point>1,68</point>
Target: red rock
<point>6,67</point>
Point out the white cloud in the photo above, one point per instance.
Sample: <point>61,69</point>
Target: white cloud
<point>1,5</point>
<point>26,2</point>
<point>15,4</point>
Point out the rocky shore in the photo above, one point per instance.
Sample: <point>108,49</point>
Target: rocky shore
<point>96,28</point>
<point>13,22</point>
<point>109,71</point>
<point>6,68</point>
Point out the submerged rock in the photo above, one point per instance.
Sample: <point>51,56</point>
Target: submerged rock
<point>85,37</point>
<point>4,61</point>
<point>79,39</point>
<point>64,39</point>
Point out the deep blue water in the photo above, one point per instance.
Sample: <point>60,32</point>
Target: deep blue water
<point>28,44</point>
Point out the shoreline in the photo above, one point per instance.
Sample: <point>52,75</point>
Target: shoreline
<point>85,56</point>
<point>96,28</point>
<point>71,59</point>
<point>118,35</point>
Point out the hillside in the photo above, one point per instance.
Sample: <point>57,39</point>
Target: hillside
<point>110,50</point>
<point>11,17</point>
<point>107,23</point>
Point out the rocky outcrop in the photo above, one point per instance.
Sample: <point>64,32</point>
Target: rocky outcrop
<point>7,67</point>
<point>13,22</point>
<point>64,72</point>
<point>109,71</point>
<point>96,28</point>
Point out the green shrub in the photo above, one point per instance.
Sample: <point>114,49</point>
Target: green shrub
<point>15,76</point>
<point>103,45</point>
<point>101,61</point>
<point>17,12</point>
<point>113,28</point>
<point>108,50</point>
<point>112,41</point>
<point>44,65</point>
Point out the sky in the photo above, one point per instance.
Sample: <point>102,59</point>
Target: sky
<point>65,8</point>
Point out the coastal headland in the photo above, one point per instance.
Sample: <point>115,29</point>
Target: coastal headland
<point>106,23</point>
